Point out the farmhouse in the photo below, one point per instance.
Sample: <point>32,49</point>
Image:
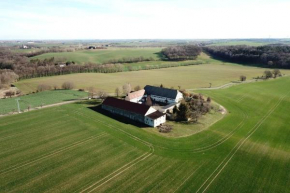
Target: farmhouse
<point>135,111</point>
<point>136,96</point>
<point>164,95</point>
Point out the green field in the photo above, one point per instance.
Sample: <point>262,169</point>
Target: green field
<point>103,56</point>
<point>73,148</point>
<point>36,100</point>
<point>196,76</point>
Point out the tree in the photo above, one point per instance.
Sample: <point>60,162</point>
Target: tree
<point>268,74</point>
<point>183,112</point>
<point>9,94</point>
<point>68,85</point>
<point>91,92</point>
<point>102,94</point>
<point>43,87</point>
<point>126,88</point>
<point>118,91</point>
<point>136,88</point>
<point>243,78</point>
<point>208,100</point>
<point>276,72</point>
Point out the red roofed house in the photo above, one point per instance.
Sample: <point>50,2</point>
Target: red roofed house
<point>136,96</point>
<point>135,111</point>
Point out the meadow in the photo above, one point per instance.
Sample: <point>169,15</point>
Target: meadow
<point>74,148</point>
<point>39,99</point>
<point>196,76</point>
<point>100,56</point>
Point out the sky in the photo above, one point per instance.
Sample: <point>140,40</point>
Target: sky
<point>144,19</point>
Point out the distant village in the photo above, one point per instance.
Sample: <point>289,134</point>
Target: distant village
<point>141,105</point>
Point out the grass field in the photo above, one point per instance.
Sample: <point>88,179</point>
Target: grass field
<point>38,99</point>
<point>196,76</point>
<point>103,56</point>
<point>73,148</point>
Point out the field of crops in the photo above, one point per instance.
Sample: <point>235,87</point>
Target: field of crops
<point>103,55</point>
<point>39,99</point>
<point>197,76</point>
<point>73,148</point>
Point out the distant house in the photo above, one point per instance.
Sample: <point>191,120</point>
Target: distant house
<point>24,47</point>
<point>136,96</point>
<point>92,47</point>
<point>164,95</point>
<point>135,111</point>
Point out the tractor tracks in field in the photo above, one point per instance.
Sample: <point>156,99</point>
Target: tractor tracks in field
<point>123,168</point>
<point>236,148</point>
<point>58,151</point>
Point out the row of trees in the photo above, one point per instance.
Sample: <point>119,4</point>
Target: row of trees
<point>179,53</point>
<point>273,56</point>
<point>131,60</point>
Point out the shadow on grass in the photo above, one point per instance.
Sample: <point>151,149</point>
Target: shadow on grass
<point>160,56</point>
<point>119,118</point>
<point>90,102</point>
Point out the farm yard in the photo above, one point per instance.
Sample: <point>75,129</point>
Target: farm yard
<point>73,148</point>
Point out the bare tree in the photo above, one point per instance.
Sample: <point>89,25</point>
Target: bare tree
<point>102,94</point>
<point>243,78</point>
<point>126,88</point>
<point>118,91</point>
<point>68,85</point>
<point>136,88</point>
<point>43,87</point>
<point>91,92</point>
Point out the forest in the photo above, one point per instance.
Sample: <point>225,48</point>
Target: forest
<point>271,56</point>
<point>179,53</point>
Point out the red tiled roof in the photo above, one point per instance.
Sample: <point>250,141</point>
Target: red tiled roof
<point>126,105</point>
<point>135,94</point>
<point>155,115</point>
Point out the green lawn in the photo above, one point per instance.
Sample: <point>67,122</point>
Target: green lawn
<point>38,99</point>
<point>103,56</point>
<point>73,148</point>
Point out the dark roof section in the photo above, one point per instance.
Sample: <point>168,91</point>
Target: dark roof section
<point>164,92</point>
<point>155,115</point>
<point>126,105</point>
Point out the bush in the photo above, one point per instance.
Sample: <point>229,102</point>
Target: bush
<point>43,87</point>
<point>68,85</point>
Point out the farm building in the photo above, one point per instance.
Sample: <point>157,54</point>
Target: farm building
<point>136,96</point>
<point>164,95</point>
<point>135,111</point>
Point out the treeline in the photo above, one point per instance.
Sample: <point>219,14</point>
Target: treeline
<point>179,53</point>
<point>50,50</point>
<point>272,56</point>
<point>131,60</point>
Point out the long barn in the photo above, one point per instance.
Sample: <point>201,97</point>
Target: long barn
<point>137,112</point>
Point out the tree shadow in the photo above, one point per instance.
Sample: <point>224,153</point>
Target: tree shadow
<point>160,56</point>
<point>116,117</point>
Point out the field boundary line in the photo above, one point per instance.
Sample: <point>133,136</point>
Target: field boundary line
<point>15,167</point>
<point>239,144</point>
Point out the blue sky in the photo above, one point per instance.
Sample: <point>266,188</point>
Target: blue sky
<point>144,19</point>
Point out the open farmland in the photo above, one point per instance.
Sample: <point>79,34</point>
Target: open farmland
<point>103,55</point>
<point>39,99</point>
<point>72,148</point>
<point>196,76</point>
